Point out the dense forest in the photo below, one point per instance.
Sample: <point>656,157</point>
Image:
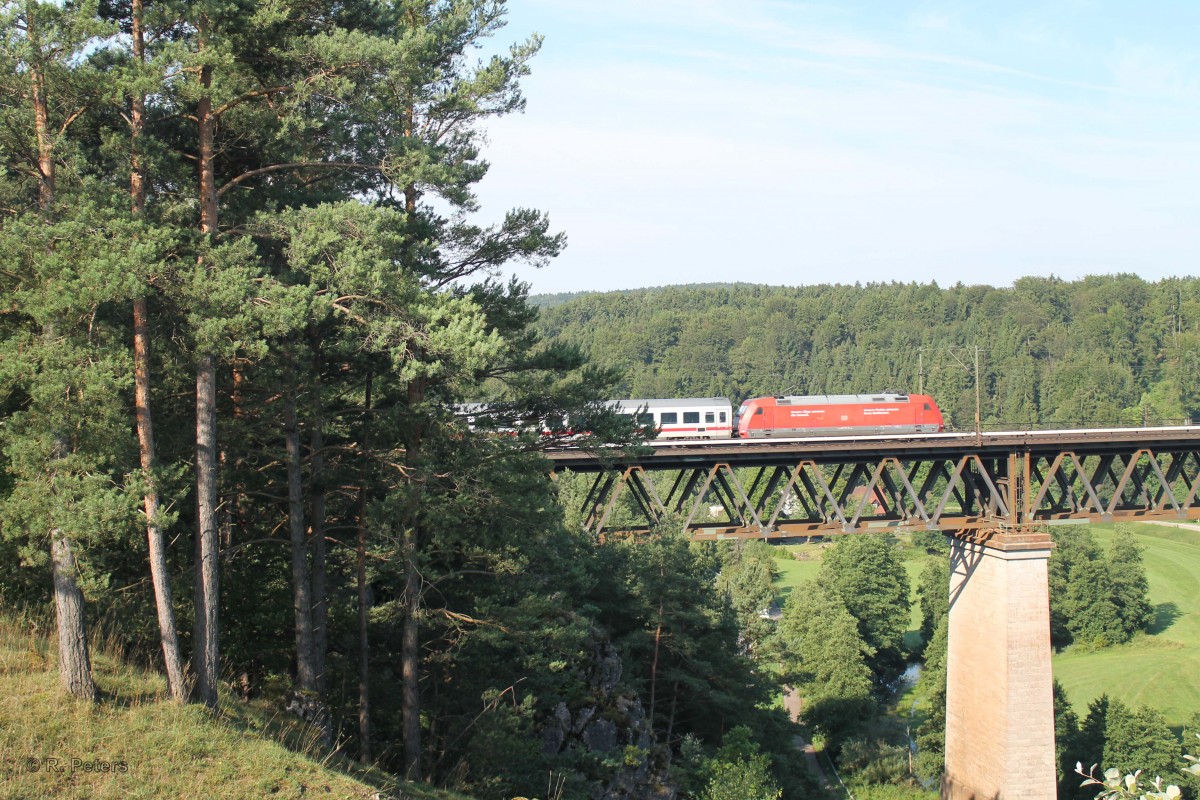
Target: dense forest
<point>1102,350</point>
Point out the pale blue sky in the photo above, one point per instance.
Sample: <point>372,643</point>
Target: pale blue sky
<point>683,141</point>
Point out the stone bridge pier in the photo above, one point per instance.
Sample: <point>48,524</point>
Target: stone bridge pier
<point>999,687</point>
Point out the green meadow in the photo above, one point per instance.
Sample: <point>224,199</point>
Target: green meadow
<point>1162,667</point>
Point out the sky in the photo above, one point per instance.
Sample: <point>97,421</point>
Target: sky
<point>792,143</point>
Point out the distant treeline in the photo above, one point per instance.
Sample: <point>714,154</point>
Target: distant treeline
<point>1097,351</point>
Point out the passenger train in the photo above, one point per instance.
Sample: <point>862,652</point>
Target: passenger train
<point>763,417</point>
<point>787,416</point>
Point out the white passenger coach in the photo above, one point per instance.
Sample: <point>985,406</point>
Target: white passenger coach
<point>683,417</point>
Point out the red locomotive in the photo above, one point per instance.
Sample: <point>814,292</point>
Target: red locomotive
<point>838,415</point>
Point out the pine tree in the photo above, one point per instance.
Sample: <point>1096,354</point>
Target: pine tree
<point>1131,590</point>
<point>64,371</point>
<point>1139,739</point>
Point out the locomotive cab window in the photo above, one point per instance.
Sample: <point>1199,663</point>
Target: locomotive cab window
<point>669,418</point>
<point>691,418</point>
<point>758,411</point>
<point>709,417</point>
<point>928,407</point>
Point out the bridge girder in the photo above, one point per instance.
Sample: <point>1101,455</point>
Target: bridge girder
<point>880,490</point>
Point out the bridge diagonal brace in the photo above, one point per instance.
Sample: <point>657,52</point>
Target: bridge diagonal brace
<point>694,476</point>
<point>768,493</point>
<point>951,482</point>
<point>918,506</point>
<point>646,495</point>
<point>998,505</point>
<point>937,469</point>
<point>857,471</point>
<point>825,491</point>
<point>892,503</point>
<point>1164,490</point>
<point>741,498</point>
<point>1132,475</point>
<point>1191,495</point>
<point>708,480</point>
<point>1082,476</point>
<point>1046,483</point>
<point>786,495</point>
<point>599,500</point>
<point>868,493</point>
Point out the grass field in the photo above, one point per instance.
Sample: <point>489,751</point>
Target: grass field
<point>1162,668</point>
<point>135,743</point>
<point>1159,669</point>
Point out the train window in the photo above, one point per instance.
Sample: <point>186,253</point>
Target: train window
<point>709,417</point>
<point>928,407</point>
<point>758,411</point>
<point>669,418</point>
<point>691,418</point>
<point>722,416</point>
<point>645,419</point>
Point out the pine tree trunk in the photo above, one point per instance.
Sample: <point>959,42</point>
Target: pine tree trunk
<point>654,664</point>
<point>306,673</point>
<point>159,575</point>
<point>364,598</point>
<point>410,656</point>
<point>320,604</point>
<point>74,664</point>
<point>206,653</point>
<point>163,601</point>
<point>206,656</point>
<point>410,644</point>
<point>364,649</point>
<point>671,717</point>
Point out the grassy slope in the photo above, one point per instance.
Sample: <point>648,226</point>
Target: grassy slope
<point>1161,669</point>
<point>171,751</point>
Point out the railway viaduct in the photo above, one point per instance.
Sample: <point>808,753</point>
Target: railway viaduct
<point>992,494</point>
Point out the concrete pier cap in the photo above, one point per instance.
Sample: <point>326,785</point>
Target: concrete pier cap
<point>999,685</point>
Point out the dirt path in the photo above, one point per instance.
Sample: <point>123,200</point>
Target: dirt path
<point>793,703</point>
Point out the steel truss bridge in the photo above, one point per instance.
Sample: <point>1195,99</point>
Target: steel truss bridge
<point>960,482</point>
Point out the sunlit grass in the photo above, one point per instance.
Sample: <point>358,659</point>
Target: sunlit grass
<point>136,743</point>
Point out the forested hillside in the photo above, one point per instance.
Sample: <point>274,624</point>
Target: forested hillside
<point>1101,350</point>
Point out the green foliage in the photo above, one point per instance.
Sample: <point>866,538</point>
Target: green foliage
<point>931,734</point>
<point>1139,739</point>
<point>931,541</point>
<point>1066,734</point>
<point>1096,602</point>
<point>747,575</point>
<point>867,574</point>
<point>825,657</point>
<point>739,771</point>
<point>1123,739</point>
<point>933,595</point>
